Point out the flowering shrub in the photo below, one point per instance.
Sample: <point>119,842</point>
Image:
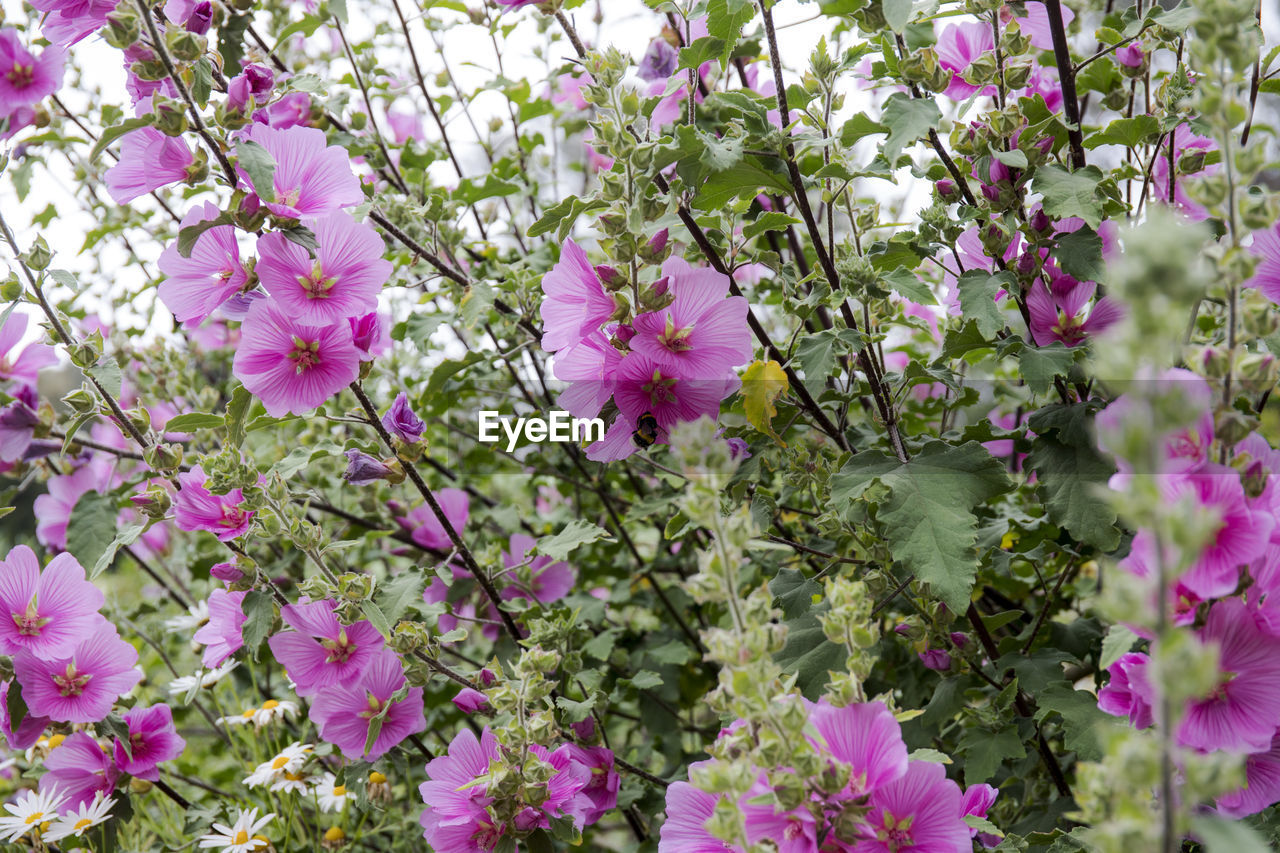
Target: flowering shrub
<point>919,489</point>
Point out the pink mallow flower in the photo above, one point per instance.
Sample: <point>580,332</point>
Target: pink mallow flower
<point>421,523</point>
<point>342,280</point>
<point>793,831</point>
<point>293,367</point>
<point>343,712</point>
<point>1185,142</point>
<point>29,729</point>
<point>600,794</point>
<point>1035,26</point>
<point>576,303</point>
<point>82,685</point>
<point>866,737</point>
<point>79,768</point>
<point>455,817</point>
<point>468,701</point>
<point>958,46</point>
<point>311,178</point>
<point>320,652</point>
<point>685,829</point>
<point>923,810</point>
<point>69,21</point>
<point>222,635</point>
<point>1129,692</point>
<point>1266,276</point>
<point>196,508</point>
<point>148,161</point>
<point>22,366</point>
<point>195,287</point>
<point>1068,314</point>
<point>153,740</point>
<point>702,333</point>
<point>1242,712</point>
<point>551,580</point>
<point>46,613</point>
<point>27,79</point>
<point>1262,784</point>
<point>1243,534</point>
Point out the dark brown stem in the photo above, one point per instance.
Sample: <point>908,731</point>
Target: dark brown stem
<point>1067,79</point>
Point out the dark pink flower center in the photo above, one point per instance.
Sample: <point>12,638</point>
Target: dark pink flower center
<point>21,76</point>
<point>1069,329</point>
<point>30,622</point>
<point>315,284</point>
<point>71,682</point>
<point>659,388</point>
<point>305,354</point>
<point>232,517</point>
<point>487,835</point>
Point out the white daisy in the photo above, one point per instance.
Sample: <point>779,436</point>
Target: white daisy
<point>290,760</point>
<point>80,820</point>
<point>28,812</point>
<point>291,783</point>
<point>43,746</point>
<point>241,836</point>
<point>196,615</point>
<point>275,710</point>
<point>188,685</point>
<point>331,797</point>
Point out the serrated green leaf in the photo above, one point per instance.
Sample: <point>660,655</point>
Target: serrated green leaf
<point>260,166</point>
<point>907,120</point>
<point>1079,254</point>
<point>794,592</point>
<point>575,534</point>
<point>1039,365</point>
<point>1067,194</point>
<point>985,751</point>
<point>978,290</point>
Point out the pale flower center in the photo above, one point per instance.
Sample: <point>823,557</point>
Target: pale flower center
<point>305,354</point>
<point>71,682</point>
<point>30,622</point>
<point>315,284</point>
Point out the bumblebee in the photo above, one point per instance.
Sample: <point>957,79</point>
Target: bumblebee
<point>646,431</point>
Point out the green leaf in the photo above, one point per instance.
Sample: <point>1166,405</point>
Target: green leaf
<point>1070,473</point>
<point>897,13</point>
<point>260,613</point>
<point>562,216</point>
<point>702,50</point>
<point>928,517</point>
<point>470,191</point>
<point>1039,365</point>
<point>907,120</point>
<point>1014,158</point>
<point>795,592</point>
<point>726,20</point>
<point>908,285</point>
<point>1129,132</point>
<point>1118,642</point>
<point>15,705</point>
<point>111,134</point>
<point>768,221</point>
<point>190,235</point>
<point>859,126</point>
<point>125,536</point>
<point>1070,193</point>
<point>646,679</point>
<point>260,166</point>
<point>576,533</point>
<point>985,751</point>
<point>817,353</point>
<point>395,596</point>
<point>92,527</point>
<point>237,411</point>
<point>194,421</point>
<point>810,655</point>
<point>1221,835</point>
<point>745,179</point>
<point>1079,254</point>
<point>1081,718</point>
<point>201,81</point>
<point>376,617</point>
<point>108,375</point>
<point>978,289</point>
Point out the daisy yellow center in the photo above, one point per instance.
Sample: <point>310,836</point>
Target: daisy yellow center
<point>339,790</point>
<point>281,761</point>
<point>33,818</point>
<point>334,833</point>
<point>376,778</point>
<point>242,837</point>
<point>56,741</point>
<point>305,354</point>
<point>293,777</point>
<point>30,621</point>
<point>316,284</point>
<point>249,712</point>
<point>71,682</point>
<point>269,704</point>
<point>82,823</point>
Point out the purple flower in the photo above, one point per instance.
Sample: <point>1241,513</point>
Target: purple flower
<point>401,421</point>
<point>794,831</point>
<point>148,161</point>
<point>866,737</point>
<point>1129,692</point>
<point>153,740</point>
<point>46,613</point>
<point>958,46</point>
<point>1131,55</point>
<point>221,635</point>
<point>343,712</point>
<point>1184,142</point>
<point>1243,534</point>
<point>342,280</point>
<point>81,685</point>
<point>601,790</point>
<point>25,79</point>
<point>920,811</point>
<point>200,18</point>
<point>17,428</point>
<point>79,769</point>
<point>363,469</point>
<point>194,287</point>
<point>455,817</point>
<point>935,659</point>
<point>551,580</point>
<point>293,367</point>
<point>738,448</point>
<point>28,731</point>
<point>226,572</point>
<point>1065,313</point>
<point>370,334</point>
<point>255,81</point>
<point>71,20</point>
<point>469,701</point>
<point>703,333</point>
<point>1262,784</point>
<point>659,61</point>
<point>311,178</point>
<point>196,508</point>
<point>977,801</point>
<point>421,523</point>
<point>1266,276</point>
<point>320,652</point>
<point>576,303</point>
<point>22,367</point>
<point>292,110</point>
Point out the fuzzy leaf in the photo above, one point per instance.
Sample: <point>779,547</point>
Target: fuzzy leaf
<point>260,166</point>
<point>978,289</point>
<point>576,533</point>
<point>907,120</point>
<point>1070,193</point>
<point>260,613</point>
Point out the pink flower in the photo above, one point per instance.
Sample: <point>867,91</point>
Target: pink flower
<point>342,281</point>
<point>45,613</point>
<point>551,581</point>
<point>29,729</point>
<point>196,508</point>
<point>1066,314</point>
<point>1266,276</point>
<point>958,46</point>
<point>563,791</point>
<point>153,739</point>
<point>401,421</point>
<point>292,110</point>
<point>25,79</point>
<point>589,367</point>
<point>421,523</point>
<point>290,366</point>
<point>310,178</point>
<point>923,810</point>
<point>702,333</point>
<point>1129,693</point>
<point>1035,26</point>
<point>864,736</point>
<point>53,509</point>
<point>22,367</point>
<point>455,816</point>
<point>1262,784</point>
<point>977,801</point>
<point>1242,713</point>
<point>601,789</point>
<point>221,635</point>
<point>685,830</point>
<point>321,652</point>
<point>148,161</point>
<point>468,701</point>
<point>793,831</point>
<point>194,287</point>
<point>1184,143</point>
<point>81,685</point>
<point>79,768</point>
<point>255,82</point>
<point>576,303</point>
<point>371,334</point>
<point>1242,536</point>
<point>935,659</point>
<point>71,20</point>
<point>343,712</point>
<point>405,126</point>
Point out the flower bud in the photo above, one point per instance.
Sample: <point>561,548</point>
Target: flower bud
<point>200,18</point>
<point>39,256</point>
<point>947,189</point>
<point>610,277</point>
<point>164,456</point>
<point>10,288</point>
<point>153,503</point>
<point>363,469</point>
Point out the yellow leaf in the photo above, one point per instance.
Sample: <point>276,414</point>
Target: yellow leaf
<point>762,384</point>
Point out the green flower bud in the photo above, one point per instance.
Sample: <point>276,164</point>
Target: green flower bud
<point>39,256</point>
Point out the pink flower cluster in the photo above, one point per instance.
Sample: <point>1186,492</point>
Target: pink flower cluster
<point>1227,597</point>
<point>668,365</point>
<point>895,803</point>
<point>71,666</point>
<point>460,815</point>
<point>26,79</point>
